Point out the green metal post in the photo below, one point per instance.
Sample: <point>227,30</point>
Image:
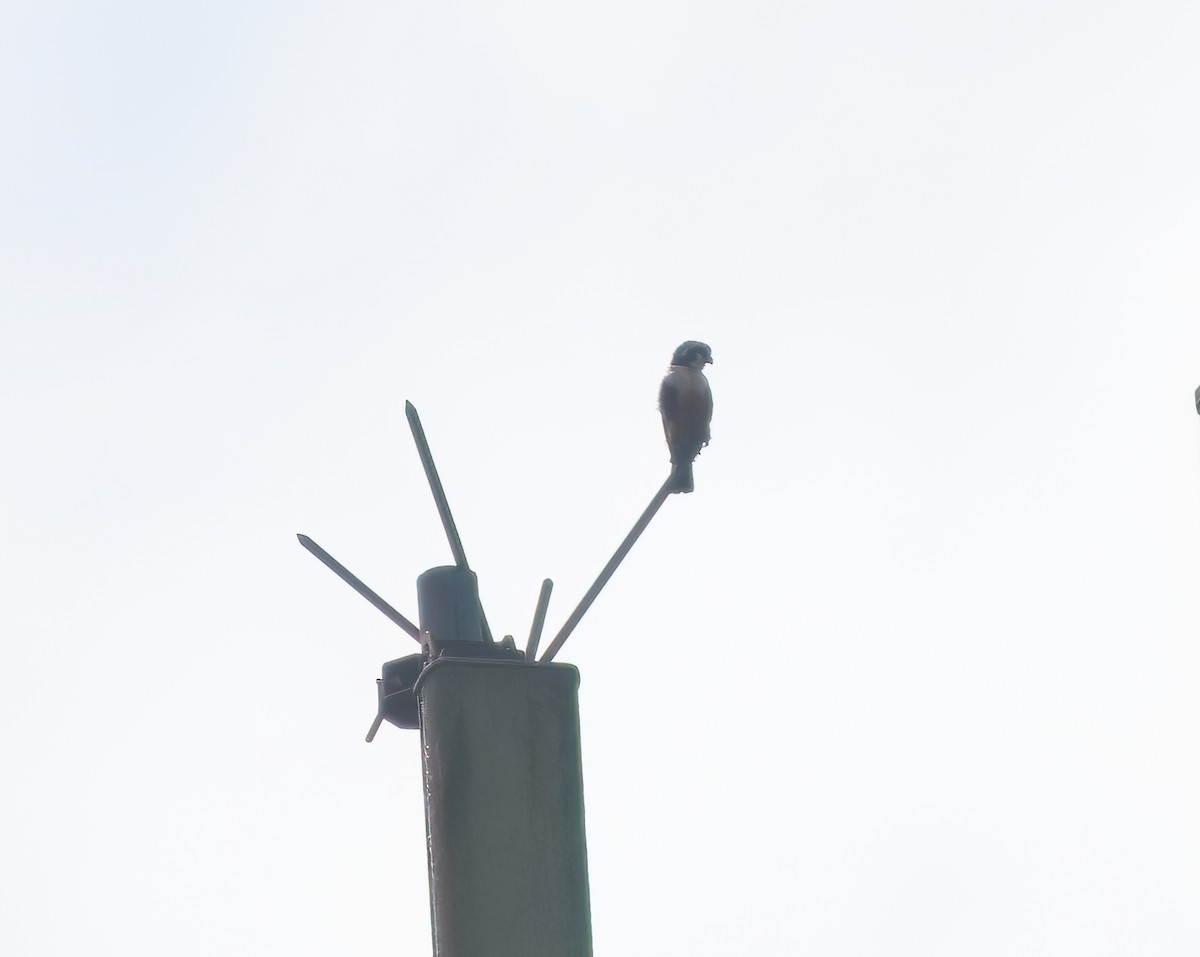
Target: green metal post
<point>504,809</point>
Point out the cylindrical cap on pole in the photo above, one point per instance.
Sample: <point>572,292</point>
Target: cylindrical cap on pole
<point>448,604</point>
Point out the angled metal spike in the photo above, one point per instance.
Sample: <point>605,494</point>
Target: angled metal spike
<point>353,581</point>
<point>374,727</point>
<point>622,550</point>
<point>435,485</point>
<point>439,499</point>
<point>539,620</point>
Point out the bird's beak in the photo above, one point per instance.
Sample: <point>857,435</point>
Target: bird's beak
<point>708,362</point>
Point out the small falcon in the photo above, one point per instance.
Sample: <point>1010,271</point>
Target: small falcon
<point>685,401</point>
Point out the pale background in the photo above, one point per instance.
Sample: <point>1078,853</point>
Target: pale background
<point>914,672</point>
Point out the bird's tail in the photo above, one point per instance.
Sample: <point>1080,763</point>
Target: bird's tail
<point>682,478</point>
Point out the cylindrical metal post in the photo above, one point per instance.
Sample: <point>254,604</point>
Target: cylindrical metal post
<point>448,604</point>
<point>504,809</point>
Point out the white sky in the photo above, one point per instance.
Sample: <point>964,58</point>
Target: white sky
<point>913,672</point>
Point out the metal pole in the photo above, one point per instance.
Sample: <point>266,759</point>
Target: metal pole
<point>503,779</point>
<point>622,550</point>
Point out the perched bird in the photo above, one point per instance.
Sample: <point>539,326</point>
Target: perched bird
<point>685,401</point>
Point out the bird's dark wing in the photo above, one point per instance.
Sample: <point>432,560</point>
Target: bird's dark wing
<point>668,398</point>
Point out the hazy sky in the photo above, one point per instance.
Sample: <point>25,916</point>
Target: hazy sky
<point>913,672</point>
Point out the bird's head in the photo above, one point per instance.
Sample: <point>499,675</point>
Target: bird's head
<point>695,355</point>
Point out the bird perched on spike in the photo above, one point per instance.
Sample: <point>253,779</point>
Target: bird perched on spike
<point>685,401</point>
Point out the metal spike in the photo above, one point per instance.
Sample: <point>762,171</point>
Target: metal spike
<point>622,550</point>
<point>354,582</point>
<point>539,620</point>
<point>439,499</point>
